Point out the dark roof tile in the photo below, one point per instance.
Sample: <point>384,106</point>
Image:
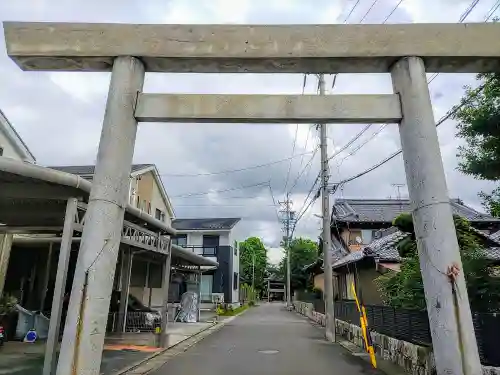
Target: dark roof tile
<point>384,249</point>
<point>386,210</point>
<point>205,224</point>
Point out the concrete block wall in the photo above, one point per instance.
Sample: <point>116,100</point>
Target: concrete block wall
<point>415,359</point>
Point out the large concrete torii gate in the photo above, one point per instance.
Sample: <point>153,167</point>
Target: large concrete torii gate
<point>128,51</point>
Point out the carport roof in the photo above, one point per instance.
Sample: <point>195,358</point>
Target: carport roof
<point>31,195</point>
<point>35,197</point>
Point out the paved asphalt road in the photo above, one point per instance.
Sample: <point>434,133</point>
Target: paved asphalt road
<point>266,340</point>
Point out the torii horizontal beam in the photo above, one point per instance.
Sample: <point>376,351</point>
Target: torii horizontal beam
<point>268,108</point>
<point>249,48</point>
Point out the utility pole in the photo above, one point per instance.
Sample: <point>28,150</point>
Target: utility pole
<point>288,220</point>
<point>326,237</point>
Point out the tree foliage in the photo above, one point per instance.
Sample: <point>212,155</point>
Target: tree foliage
<point>250,248</point>
<point>478,120</point>
<point>303,252</point>
<point>405,289</point>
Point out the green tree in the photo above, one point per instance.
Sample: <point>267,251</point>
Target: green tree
<point>405,289</point>
<point>478,120</point>
<point>253,249</point>
<point>303,251</point>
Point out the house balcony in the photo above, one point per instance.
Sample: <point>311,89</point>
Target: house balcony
<point>206,251</point>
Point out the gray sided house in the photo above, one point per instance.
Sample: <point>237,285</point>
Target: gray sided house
<point>212,238</point>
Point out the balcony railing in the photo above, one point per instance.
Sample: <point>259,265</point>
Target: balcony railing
<point>206,251</point>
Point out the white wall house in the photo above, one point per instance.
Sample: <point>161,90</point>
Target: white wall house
<point>213,238</point>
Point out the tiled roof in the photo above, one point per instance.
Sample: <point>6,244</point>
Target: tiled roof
<point>385,250</point>
<point>205,224</point>
<point>493,253</point>
<point>88,170</point>
<point>386,210</point>
<point>495,236</point>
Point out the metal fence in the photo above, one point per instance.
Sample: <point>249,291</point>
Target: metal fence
<point>137,321</point>
<point>413,326</point>
<point>402,324</point>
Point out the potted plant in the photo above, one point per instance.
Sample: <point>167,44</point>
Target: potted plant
<point>8,315</point>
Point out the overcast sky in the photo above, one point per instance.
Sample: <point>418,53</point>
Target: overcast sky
<point>59,115</point>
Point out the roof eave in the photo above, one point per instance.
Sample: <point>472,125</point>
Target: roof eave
<point>18,143</point>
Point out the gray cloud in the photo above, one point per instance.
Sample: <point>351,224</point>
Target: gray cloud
<point>60,114</point>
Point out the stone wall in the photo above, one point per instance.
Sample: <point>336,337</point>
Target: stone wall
<point>415,359</point>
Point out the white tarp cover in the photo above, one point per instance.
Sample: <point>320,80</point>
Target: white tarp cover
<point>189,308</point>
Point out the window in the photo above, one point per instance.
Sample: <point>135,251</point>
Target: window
<point>180,239</point>
<point>138,202</point>
<point>235,280</point>
<point>352,237</point>
<point>206,287</point>
<point>1,151</point>
<point>366,236</point>
<point>235,251</point>
<point>210,245</point>
<point>160,215</point>
<point>149,208</point>
<point>210,250</point>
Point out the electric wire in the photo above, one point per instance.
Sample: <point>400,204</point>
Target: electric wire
<point>238,169</point>
<point>447,116</point>
<point>221,191</point>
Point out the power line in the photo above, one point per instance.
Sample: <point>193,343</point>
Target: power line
<point>450,113</point>
<point>365,142</point>
<point>492,10</point>
<point>352,10</point>
<point>368,11</point>
<point>466,13</point>
<point>304,207</point>
<point>225,205</point>
<point>239,169</point>
<point>432,78</point>
<point>274,202</point>
<point>307,141</point>
<point>295,138</point>
<point>392,11</point>
<point>226,198</point>
<point>462,18</point>
<point>308,164</point>
<point>221,191</point>
<point>350,142</point>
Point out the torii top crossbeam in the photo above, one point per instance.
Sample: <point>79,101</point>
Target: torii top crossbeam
<point>249,48</point>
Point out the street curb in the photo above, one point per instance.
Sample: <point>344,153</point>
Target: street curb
<point>159,352</point>
<point>158,359</point>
